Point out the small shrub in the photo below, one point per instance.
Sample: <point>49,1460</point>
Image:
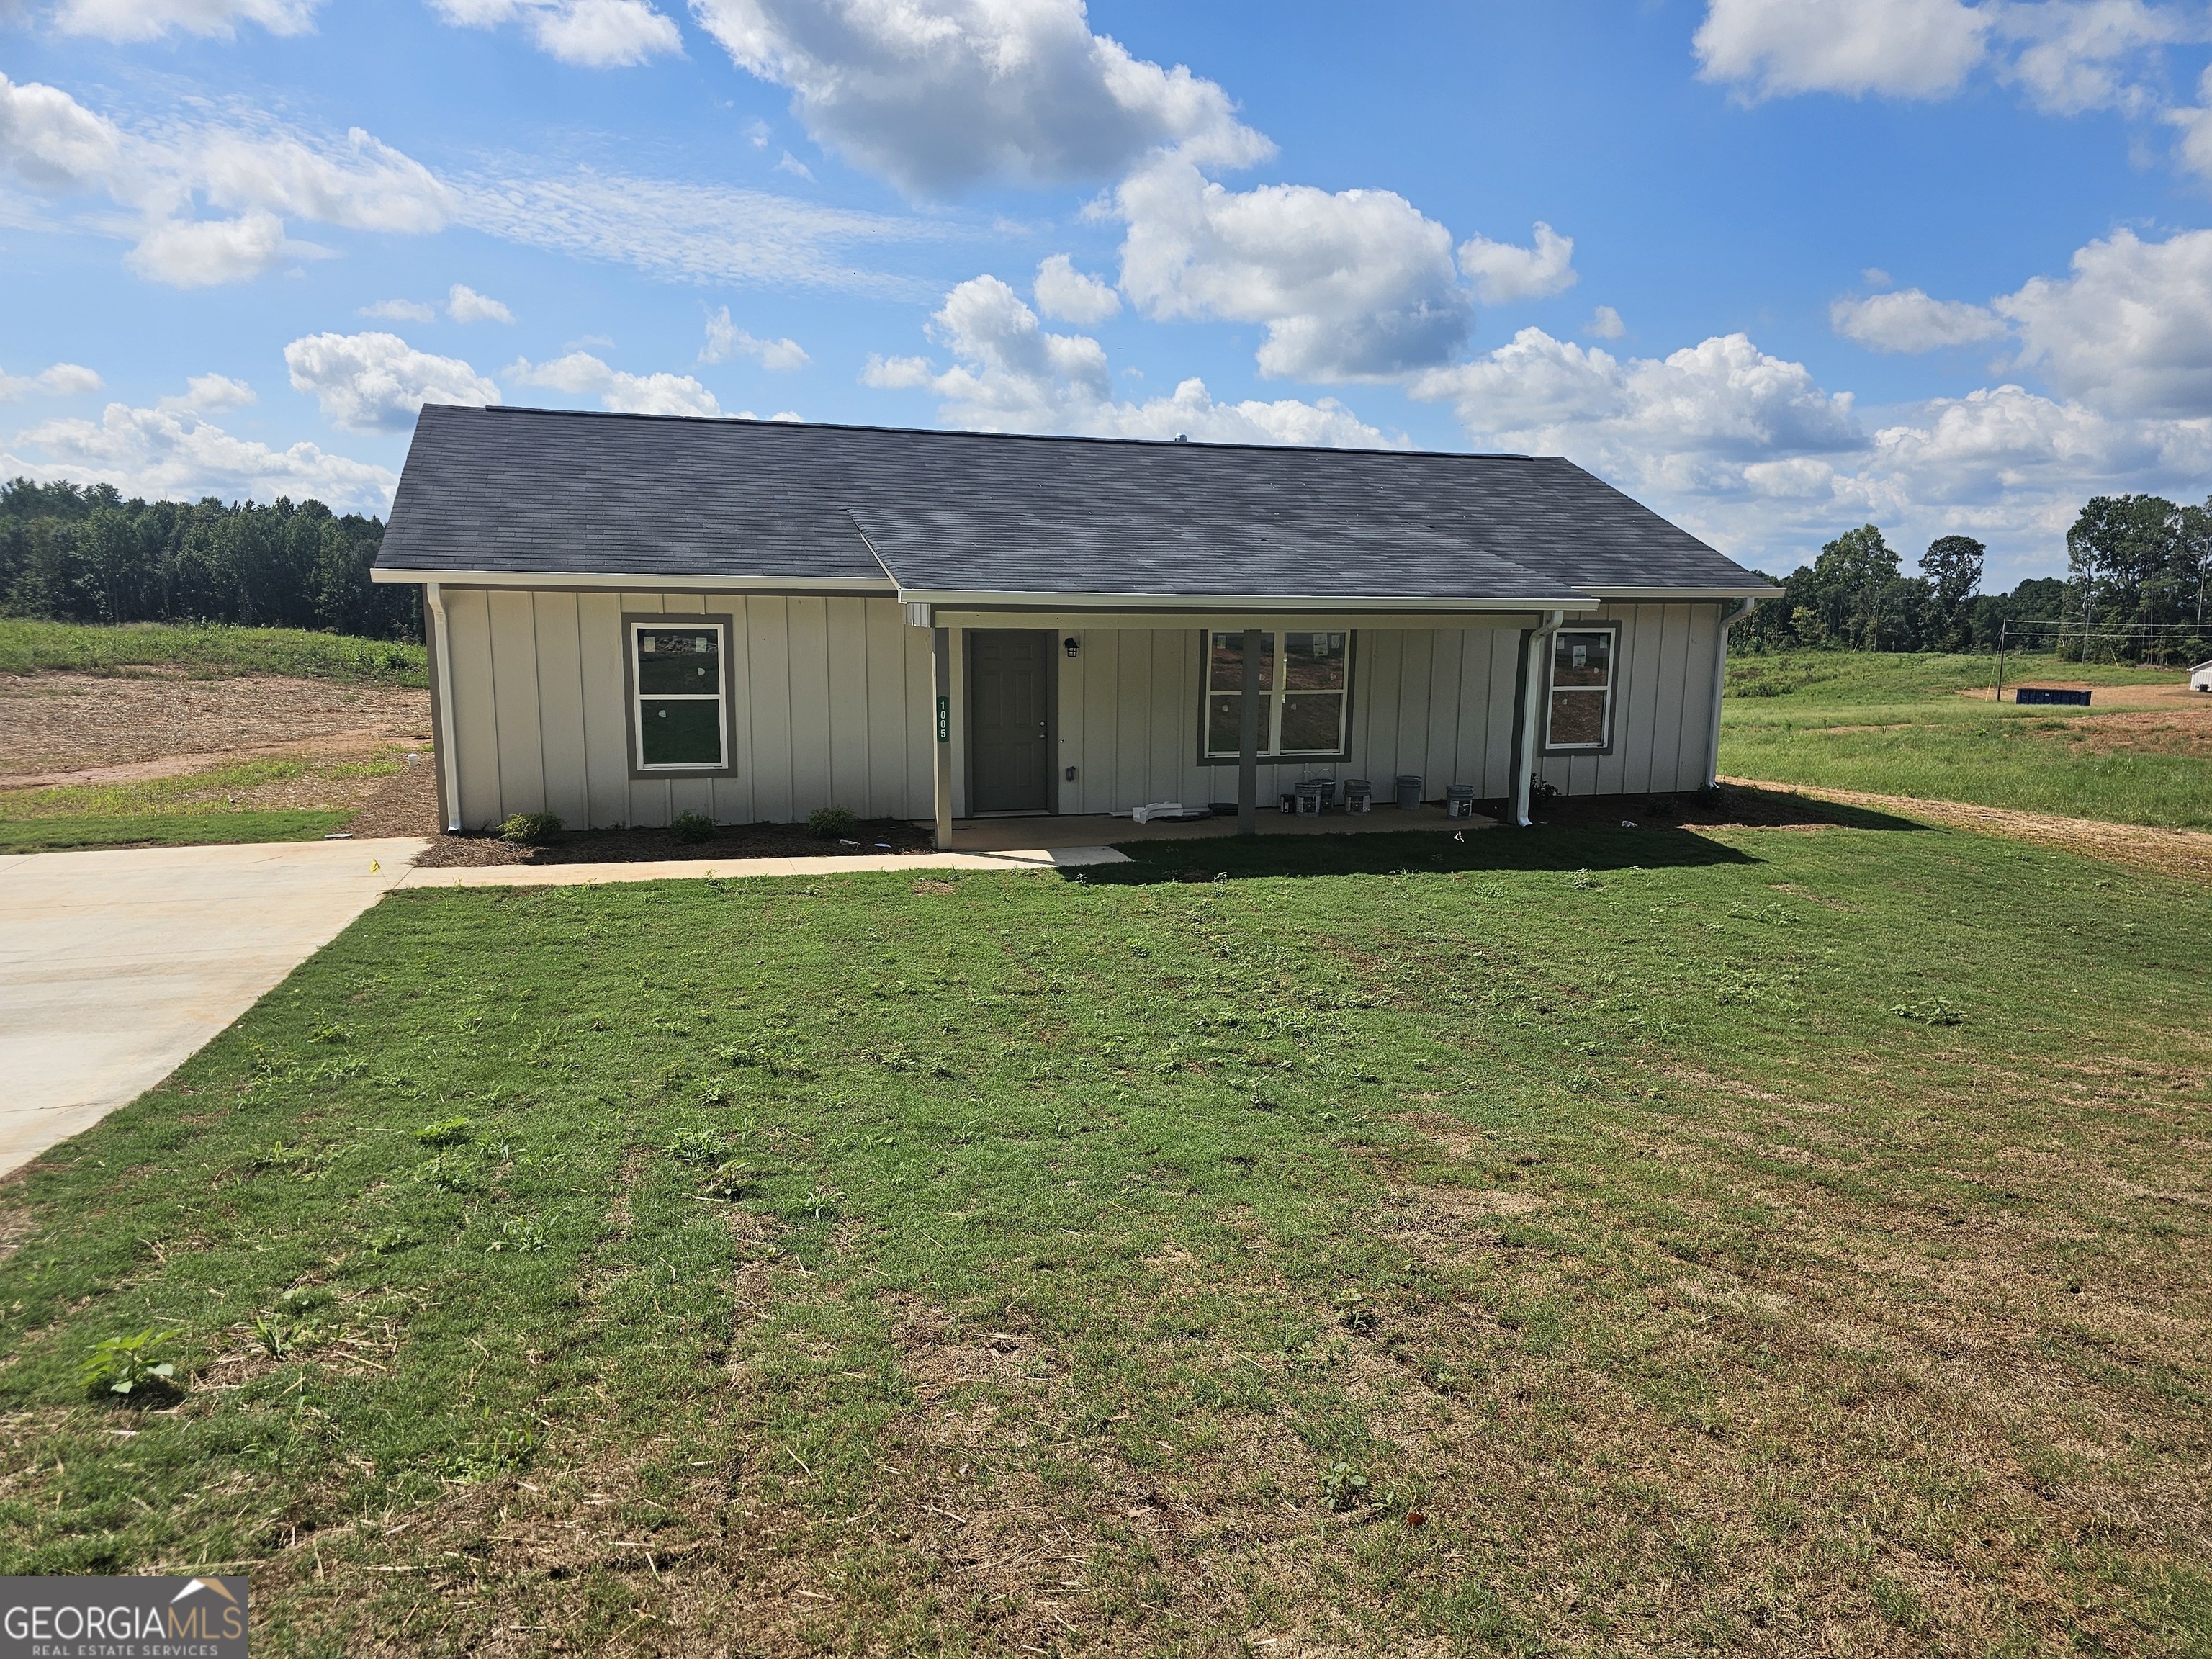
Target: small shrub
<point>127,1365</point>
<point>1344,1486</point>
<point>530,829</point>
<point>831,821</point>
<point>692,826</point>
<point>1541,793</point>
<point>450,1131</point>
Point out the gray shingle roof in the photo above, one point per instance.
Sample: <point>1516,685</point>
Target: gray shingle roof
<point>557,493</point>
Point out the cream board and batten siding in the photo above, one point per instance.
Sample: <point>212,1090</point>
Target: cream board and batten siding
<point>833,707</point>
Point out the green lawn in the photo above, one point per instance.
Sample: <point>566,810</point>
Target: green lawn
<point>1897,725</point>
<point>238,802</point>
<point>206,652</point>
<point>1771,1242</point>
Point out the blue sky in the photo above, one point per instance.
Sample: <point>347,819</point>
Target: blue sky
<point>1776,267</point>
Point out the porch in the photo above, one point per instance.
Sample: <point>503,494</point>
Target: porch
<point>1002,835</point>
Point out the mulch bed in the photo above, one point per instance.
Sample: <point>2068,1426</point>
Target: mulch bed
<point>409,806</point>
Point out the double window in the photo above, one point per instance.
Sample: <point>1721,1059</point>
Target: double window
<point>680,696</point>
<point>1581,716</point>
<point>1304,682</point>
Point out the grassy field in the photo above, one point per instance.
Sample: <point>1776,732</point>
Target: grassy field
<point>1900,726</point>
<point>208,652</point>
<point>1769,1241</point>
<point>243,801</point>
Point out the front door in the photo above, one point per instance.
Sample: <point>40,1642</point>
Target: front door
<point>1010,720</point>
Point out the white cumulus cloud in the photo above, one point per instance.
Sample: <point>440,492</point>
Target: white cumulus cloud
<point>1605,324</point>
<point>581,374</point>
<point>377,382</point>
<point>2130,332</point>
<point>1901,48</point>
<point>129,21</point>
<point>208,202</point>
<point>465,304</point>
<point>593,33</point>
<point>1070,295</point>
<point>938,94</point>
<point>204,392</point>
<point>172,450</point>
<point>726,340</point>
<point>1354,284</point>
<point>57,380</point>
<point>202,252</point>
<point>1911,321</point>
<point>1011,374</point>
<point>1503,273</point>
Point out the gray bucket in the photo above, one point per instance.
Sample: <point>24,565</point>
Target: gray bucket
<point>1357,793</point>
<point>1409,791</point>
<point>1459,801</point>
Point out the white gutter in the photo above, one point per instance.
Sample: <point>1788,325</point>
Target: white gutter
<point>1729,619</point>
<point>449,762</point>
<point>1532,678</point>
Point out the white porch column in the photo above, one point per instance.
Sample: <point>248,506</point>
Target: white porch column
<point>1730,619</point>
<point>941,661</point>
<point>1248,739</point>
<point>442,704</point>
<point>1525,736</point>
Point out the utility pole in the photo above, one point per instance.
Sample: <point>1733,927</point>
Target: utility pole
<point>2001,627</point>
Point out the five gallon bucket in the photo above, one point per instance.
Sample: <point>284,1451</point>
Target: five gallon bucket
<point>1409,791</point>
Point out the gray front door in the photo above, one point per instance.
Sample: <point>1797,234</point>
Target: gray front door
<point>1010,720</point>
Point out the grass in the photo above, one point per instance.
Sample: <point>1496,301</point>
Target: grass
<point>1897,725</point>
<point>208,652</point>
<point>252,800</point>
<point>992,1262</point>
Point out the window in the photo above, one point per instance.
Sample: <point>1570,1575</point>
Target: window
<point>676,675</point>
<point>1304,681</point>
<point>1582,690</point>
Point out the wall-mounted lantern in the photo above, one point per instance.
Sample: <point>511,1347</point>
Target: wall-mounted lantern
<point>1071,644</point>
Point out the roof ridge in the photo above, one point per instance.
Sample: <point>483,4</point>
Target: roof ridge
<point>1000,437</point>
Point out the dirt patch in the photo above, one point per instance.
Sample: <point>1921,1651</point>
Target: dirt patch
<point>2185,853</point>
<point>59,722</point>
<point>2186,730</point>
<point>1456,1137</point>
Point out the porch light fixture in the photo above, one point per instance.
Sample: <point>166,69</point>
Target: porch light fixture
<point>1071,644</point>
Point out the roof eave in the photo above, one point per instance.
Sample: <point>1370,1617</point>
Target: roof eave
<point>637,581</point>
<point>964,599</point>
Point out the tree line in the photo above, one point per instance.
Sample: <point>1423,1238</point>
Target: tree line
<point>2137,568</point>
<point>73,553</point>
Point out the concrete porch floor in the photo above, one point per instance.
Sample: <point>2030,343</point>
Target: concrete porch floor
<point>1004,835</point>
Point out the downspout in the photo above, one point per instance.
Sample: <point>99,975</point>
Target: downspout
<point>1729,619</point>
<point>1524,734</point>
<point>441,667</point>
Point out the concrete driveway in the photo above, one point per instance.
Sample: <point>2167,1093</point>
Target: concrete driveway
<point>115,966</point>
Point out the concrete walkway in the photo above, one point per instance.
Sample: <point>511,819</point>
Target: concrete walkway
<point>115,966</point>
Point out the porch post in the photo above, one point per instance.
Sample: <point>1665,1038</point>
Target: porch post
<point>1730,619</point>
<point>1527,714</point>
<point>1248,739</point>
<point>940,659</point>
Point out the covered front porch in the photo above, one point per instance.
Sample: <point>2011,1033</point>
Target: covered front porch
<point>1049,725</point>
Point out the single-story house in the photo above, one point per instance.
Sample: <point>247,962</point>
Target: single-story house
<point>631,616</point>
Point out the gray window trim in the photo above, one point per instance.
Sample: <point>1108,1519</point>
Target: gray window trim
<point>1547,747</point>
<point>631,622</point>
<point>1304,758</point>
